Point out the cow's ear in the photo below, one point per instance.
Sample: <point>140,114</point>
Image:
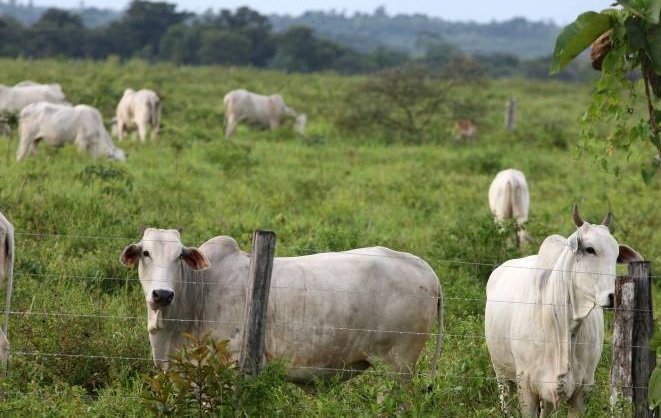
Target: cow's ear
<point>574,241</point>
<point>628,255</point>
<point>194,258</point>
<point>130,254</point>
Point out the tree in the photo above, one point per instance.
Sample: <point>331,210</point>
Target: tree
<point>224,47</point>
<point>628,39</point>
<point>57,33</point>
<point>143,26</point>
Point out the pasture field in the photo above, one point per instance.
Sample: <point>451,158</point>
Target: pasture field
<point>329,191</point>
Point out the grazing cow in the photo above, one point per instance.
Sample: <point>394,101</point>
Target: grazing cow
<point>139,110</point>
<point>258,110</point>
<point>7,271</point>
<point>14,99</point>
<point>509,198</point>
<point>544,322</point>
<point>464,129</point>
<point>58,124</point>
<point>320,306</point>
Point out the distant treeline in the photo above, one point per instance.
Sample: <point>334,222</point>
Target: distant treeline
<point>156,31</point>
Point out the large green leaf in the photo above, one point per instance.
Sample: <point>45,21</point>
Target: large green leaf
<point>577,36</point>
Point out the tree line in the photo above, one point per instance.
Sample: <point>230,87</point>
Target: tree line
<point>157,31</point>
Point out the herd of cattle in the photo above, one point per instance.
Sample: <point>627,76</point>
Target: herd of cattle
<point>44,115</point>
<point>544,323</point>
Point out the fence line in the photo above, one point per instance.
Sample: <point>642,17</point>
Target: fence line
<point>328,328</point>
<point>314,250</point>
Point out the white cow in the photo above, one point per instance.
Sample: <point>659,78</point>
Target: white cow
<point>139,110</point>
<point>6,271</point>
<point>544,323</point>
<point>14,99</point>
<point>58,124</point>
<point>509,198</point>
<point>320,306</point>
<point>256,109</point>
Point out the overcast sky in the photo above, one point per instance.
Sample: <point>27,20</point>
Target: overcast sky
<point>560,11</point>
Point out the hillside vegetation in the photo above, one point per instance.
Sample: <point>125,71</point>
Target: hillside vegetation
<point>331,190</point>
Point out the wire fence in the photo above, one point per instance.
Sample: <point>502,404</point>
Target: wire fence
<point>303,326</point>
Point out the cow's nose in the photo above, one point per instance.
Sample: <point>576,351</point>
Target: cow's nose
<point>611,300</point>
<point>162,297</point>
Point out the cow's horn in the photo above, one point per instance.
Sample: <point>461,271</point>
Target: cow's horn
<point>577,218</point>
<point>607,219</point>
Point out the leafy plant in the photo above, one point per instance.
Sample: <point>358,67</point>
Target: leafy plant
<point>204,380</point>
<point>628,39</point>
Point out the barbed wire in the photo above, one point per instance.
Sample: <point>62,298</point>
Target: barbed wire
<point>306,250</point>
<point>334,328</point>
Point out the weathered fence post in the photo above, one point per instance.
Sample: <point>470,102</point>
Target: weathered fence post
<point>261,266</point>
<point>510,114</point>
<point>633,327</point>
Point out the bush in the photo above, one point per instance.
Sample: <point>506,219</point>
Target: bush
<point>202,379</point>
<point>406,103</point>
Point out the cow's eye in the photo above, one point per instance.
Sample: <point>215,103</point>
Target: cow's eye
<point>145,253</point>
<point>590,250</point>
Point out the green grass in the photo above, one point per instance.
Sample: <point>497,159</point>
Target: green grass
<point>332,191</point>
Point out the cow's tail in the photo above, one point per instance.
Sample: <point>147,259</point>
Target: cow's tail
<point>8,271</point>
<point>439,337</point>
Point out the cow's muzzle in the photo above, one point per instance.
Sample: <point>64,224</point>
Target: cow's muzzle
<point>162,298</point>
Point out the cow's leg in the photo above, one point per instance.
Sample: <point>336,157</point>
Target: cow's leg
<point>577,402</point>
<point>154,132</point>
<point>504,391</point>
<point>274,123</point>
<point>26,144</point>
<point>142,132</point>
<point>232,123</point>
<point>120,130</point>
<point>528,401</point>
<point>547,409</point>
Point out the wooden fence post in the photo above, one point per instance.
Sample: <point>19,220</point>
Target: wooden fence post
<point>261,266</point>
<point>633,326</point>
<point>510,114</point>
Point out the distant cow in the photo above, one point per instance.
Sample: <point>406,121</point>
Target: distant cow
<point>465,129</point>
<point>509,198</point>
<point>139,110</point>
<point>6,271</point>
<point>327,313</point>
<point>14,99</point>
<point>255,109</point>
<point>58,124</point>
<point>544,323</point>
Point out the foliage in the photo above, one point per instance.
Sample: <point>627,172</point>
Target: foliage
<point>633,44</point>
<point>406,102</point>
<point>202,379</point>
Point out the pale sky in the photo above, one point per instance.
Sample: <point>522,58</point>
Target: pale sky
<point>560,11</point>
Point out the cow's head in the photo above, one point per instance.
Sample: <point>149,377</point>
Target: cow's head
<point>161,256</point>
<point>117,154</point>
<point>596,254</point>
